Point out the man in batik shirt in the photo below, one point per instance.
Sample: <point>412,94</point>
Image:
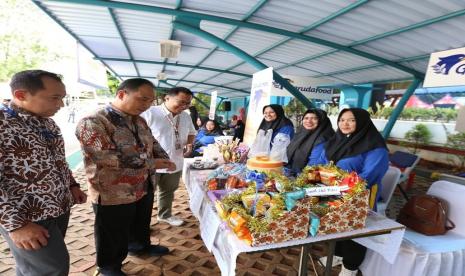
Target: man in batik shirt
<point>37,188</point>
<point>120,158</point>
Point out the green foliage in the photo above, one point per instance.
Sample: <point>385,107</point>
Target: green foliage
<point>418,135</point>
<point>22,42</point>
<point>203,110</point>
<point>382,112</point>
<point>295,110</point>
<point>457,141</point>
<point>113,83</point>
<point>415,113</point>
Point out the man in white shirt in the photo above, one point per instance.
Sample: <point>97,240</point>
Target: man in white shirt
<point>174,130</point>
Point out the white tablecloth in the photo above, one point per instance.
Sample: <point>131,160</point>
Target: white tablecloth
<point>225,246</point>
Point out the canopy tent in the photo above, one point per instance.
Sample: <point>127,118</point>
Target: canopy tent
<point>446,100</point>
<point>414,101</point>
<point>225,42</point>
<point>344,41</point>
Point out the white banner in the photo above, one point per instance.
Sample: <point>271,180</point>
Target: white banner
<point>211,114</point>
<point>90,71</point>
<point>259,97</point>
<point>306,85</point>
<point>446,68</point>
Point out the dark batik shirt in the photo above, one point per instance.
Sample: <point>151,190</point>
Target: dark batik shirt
<point>34,175</point>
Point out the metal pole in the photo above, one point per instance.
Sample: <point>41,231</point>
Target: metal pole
<point>400,106</point>
<point>242,55</point>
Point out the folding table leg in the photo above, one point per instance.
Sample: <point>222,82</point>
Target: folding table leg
<point>303,260</point>
<point>329,259</point>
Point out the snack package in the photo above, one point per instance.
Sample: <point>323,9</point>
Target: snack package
<point>256,204</point>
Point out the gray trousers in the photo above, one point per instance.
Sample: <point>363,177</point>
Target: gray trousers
<point>51,260</point>
<point>167,184</point>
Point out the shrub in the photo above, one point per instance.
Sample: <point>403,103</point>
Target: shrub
<point>457,141</point>
<point>418,135</point>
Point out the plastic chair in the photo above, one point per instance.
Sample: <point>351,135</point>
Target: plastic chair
<point>388,184</point>
<point>406,162</point>
<point>428,255</point>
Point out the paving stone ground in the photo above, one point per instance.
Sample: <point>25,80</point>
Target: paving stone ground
<point>188,254</point>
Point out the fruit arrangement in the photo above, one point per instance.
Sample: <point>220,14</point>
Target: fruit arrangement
<point>260,218</point>
<point>271,207</point>
<point>232,152</point>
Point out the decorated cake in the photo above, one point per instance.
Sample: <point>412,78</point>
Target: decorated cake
<point>264,164</point>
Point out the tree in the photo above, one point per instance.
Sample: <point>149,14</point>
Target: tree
<point>457,141</point>
<point>295,110</point>
<point>23,44</point>
<point>113,83</point>
<point>203,111</point>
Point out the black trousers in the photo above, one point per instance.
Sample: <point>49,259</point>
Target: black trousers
<point>351,252</point>
<point>118,227</point>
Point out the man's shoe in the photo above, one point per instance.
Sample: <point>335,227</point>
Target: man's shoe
<point>157,250</point>
<point>108,272</point>
<point>151,250</point>
<point>173,221</point>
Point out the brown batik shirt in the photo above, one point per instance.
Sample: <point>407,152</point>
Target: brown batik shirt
<point>119,154</point>
<point>34,175</point>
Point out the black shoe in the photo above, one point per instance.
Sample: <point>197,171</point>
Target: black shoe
<point>109,272</point>
<point>151,250</point>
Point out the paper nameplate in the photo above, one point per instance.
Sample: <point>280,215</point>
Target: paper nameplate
<point>323,191</point>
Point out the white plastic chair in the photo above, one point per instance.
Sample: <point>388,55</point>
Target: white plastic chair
<point>429,255</point>
<point>388,184</point>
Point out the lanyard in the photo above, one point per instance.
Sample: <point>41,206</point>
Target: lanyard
<point>122,121</point>
<point>175,127</point>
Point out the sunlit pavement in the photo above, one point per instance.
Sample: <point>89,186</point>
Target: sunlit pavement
<point>188,254</point>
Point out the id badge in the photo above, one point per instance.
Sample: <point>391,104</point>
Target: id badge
<point>143,155</point>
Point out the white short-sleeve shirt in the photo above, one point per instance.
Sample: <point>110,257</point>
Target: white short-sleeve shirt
<point>161,121</point>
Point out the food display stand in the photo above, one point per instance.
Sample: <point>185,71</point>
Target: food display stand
<point>380,234</point>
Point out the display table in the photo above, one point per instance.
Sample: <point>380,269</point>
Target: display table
<point>380,234</point>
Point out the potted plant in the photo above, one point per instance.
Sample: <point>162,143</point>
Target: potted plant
<point>418,135</point>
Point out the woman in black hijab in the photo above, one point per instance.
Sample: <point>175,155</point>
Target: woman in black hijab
<point>308,142</point>
<point>357,146</point>
<point>274,118</point>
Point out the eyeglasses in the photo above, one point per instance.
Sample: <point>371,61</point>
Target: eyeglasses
<point>182,102</point>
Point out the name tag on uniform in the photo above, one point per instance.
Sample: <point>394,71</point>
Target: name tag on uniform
<point>143,155</point>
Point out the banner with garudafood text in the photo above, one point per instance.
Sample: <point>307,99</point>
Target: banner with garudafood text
<point>259,97</point>
<point>310,87</point>
<point>446,68</point>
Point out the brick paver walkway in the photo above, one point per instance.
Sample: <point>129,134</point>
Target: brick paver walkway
<point>188,254</point>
